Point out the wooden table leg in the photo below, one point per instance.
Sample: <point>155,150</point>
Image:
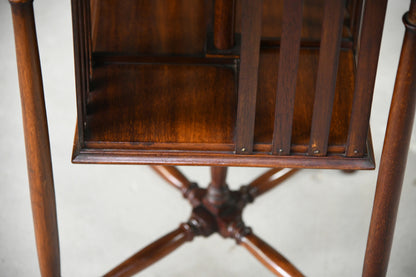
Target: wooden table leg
<point>217,191</point>
<point>36,138</point>
<point>174,177</point>
<point>269,180</point>
<point>394,157</point>
<point>269,257</point>
<point>153,252</point>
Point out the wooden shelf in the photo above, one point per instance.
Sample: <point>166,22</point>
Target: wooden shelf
<point>185,103</point>
<point>144,106</point>
<point>162,104</point>
<point>150,92</point>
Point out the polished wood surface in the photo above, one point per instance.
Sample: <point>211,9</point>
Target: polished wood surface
<point>269,257</point>
<point>116,102</point>
<point>123,107</point>
<point>218,176</point>
<point>216,209</point>
<point>326,77</point>
<point>116,22</point>
<point>154,252</point>
<point>217,191</point>
<point>127,118</point>
<point>211,95</point>
<point>249,74</point>
<point>162,98</point>
<point>224,24</point>
<point>304,99</point>
<point>174,177</point>
<point>269,180</point>
<point>287,78</point>
<point>394,156</point>
<point>38,155</point>
<point>367,61</point>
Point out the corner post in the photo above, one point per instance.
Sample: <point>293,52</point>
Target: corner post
<point>394,157</point>
<point>35,126</point>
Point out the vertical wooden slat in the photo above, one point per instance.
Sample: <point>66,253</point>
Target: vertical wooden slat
<point>327,76</point>
<point>355,23</point>
<point>371,33</point>
<point>288,73</point>
<point>81,108</point>
<point>82,54</point>
<point>88,39</point>
<point>248,79</point>
<point>224,24</point>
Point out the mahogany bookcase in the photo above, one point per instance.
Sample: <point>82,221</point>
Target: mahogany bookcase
<point>285,84</point>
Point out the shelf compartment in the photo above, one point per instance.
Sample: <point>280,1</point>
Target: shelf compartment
<point>162,104</point>
<point>147,95</point>
<point>184,111</point>
<point>168,27</point>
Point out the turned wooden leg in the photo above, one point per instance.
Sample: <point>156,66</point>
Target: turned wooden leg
<point>269,180</point>
<point>217,192</point>
<point>154,252</point>
<point>394,157</point>
<point>174,177</point>
<point>36,138</point>
<point>218,176</point>
<point>269,257</point>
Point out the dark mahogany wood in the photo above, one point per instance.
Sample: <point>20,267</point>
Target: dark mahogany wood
<point>123,106</point>
<point>248,78</point>
<point>304,99</point>
<point>196,105</point>
<point>82,61</point>
<point>288,75</point>
<point>149,91</point>
<point>394,156</point>
<point>118,22</point>
<point>269,257</point>
<point>269,180</point>
<point>92,156</point>
<point>368,53</point>
<point>39,164</point>
<point>174,177</point>
<point>355,20</point>
<point>327,77</point>
<point>218,176</point>
<point>224,29</point>
<point>216,209</point>
<point>273,14</point>
<point>112,137</point>
<point>217,191</point>
<point>154,252</point>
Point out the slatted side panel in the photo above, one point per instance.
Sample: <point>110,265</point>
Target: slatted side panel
<point>355,16</point>
<point>327,76</point>
<point>288,73</point>
<point>369,49</point>
<point>82,52</point>
<point>248,78</point>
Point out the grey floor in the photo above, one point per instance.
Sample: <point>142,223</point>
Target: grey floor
<point>319,219</point>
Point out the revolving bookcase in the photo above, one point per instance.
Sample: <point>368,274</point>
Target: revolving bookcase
<point>285,84</point>
<point>206,84</point>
